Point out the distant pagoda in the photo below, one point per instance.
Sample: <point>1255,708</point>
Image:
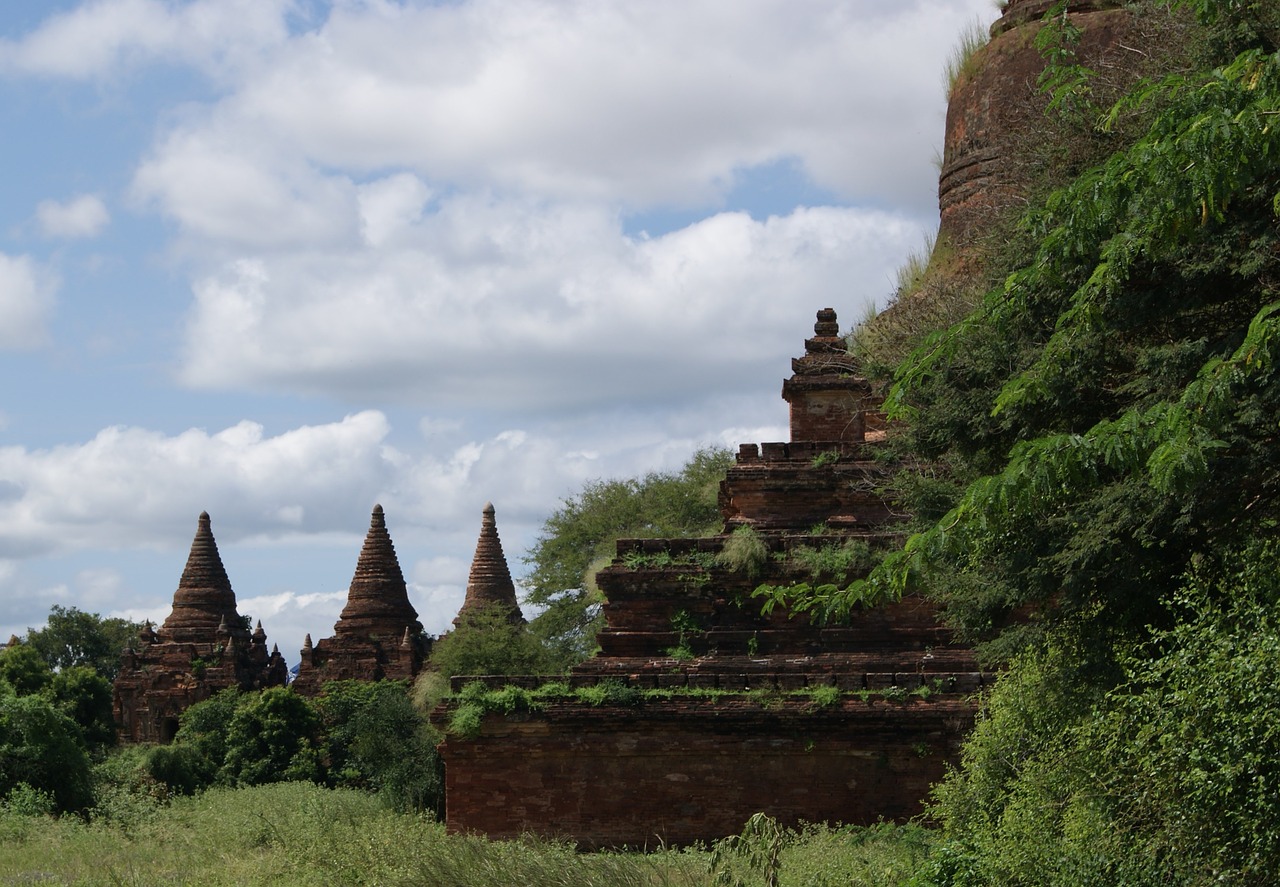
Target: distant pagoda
<point>378,634</point>
<point>490,586</point>
<point>203,647</point>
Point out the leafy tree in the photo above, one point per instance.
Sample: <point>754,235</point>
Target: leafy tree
<point>486,641</point>
<point>580,538</point>
<point>1108,416</point>
<point>23,669</point>
<point>203,728</point>
<point>85,696</point>
<point>1167,779</point>
<point>274,736</point>
<point>72,637</point>
<point>1107,410</point>
<point>377,740</point>
<point>40,748</point>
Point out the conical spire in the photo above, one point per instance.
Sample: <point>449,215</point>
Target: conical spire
<point>490,582</point>
<point>378,600</point>
<point>204,600</point>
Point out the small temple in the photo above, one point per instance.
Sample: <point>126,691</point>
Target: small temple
<point>377,635</point>
<point>203,647</point>
<point>727,721</point>
<point>489,584</point>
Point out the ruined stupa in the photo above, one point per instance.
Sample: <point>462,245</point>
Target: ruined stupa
<point>377,635</point>
<point>203,647</point>
<point>706,709</point>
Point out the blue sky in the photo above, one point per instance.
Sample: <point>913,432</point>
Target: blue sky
<point>281,261</point>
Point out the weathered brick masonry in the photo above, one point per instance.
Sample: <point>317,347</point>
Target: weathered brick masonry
<point>847,723</point>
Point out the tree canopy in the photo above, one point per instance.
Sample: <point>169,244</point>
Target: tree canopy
<point>580,537</point>
<point>72,637</point>
<point>1104,424</point>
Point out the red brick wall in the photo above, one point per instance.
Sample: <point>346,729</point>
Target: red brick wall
<point>695,770</point>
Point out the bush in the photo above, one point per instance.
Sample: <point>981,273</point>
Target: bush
<point>83,695</point>
<point>41,749</point>
<point>744,552</point>
<point>273,737</point>
<point>1168,779</point>
<point>377,740</point>
<point>488,642</point>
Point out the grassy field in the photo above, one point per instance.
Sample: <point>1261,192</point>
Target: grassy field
<point>297,833</point>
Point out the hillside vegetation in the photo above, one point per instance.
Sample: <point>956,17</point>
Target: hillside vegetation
<point>1106,488</point>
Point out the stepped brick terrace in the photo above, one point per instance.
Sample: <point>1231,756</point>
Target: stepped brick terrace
<point>733,711</point>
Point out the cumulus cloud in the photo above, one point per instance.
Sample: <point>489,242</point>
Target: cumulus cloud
<point>291,508</point>
<point>26,300</point>
<point>509,306</point>
<point>130,484</point>
<point>634,105</point>
<point>82,216</point>
<point>100,38</point>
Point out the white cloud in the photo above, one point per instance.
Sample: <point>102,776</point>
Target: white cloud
<point>390,206</point>
<point>26,300</point>
<point>630,105</point>
<point>508,306</point>
<point>289,510</point>
<point>130,485</point>
<point>82,216</point>
<point>99,38</point>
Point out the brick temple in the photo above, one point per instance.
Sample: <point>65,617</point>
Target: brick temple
<point>377,635</point>
<point>686,765</point>
<point>489,584</point>
<point>203,647</point>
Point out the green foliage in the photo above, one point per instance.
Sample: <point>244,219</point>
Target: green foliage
<point>961,61</point>
<point>274,736</point>
<point>203,728</point>
<point>1108,405</point>
<point>24,669</point>
<point>581,536</point>
<point>824,696</point>
<point>825,458</point>
<point>837,560</point>
<point>41,750</point>
<point>84,695</point>
<point>744,552</point>
<point>23,800</point>
<point>758,847</point>
<point>301,834</point>
<point>611,693</point>
<point>73,638</point>
<point>487,642</point>
<point>1167,779</point>
<point>379,741</point>
<point>77,691</point>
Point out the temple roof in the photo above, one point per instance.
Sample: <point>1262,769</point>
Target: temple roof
<point>378,600</point>
<point>204,599</point>
<point>827,352</point>
<point>490,581</point>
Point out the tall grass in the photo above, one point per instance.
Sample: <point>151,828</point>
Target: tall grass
<point>303,834</point>
<point>960,63</point>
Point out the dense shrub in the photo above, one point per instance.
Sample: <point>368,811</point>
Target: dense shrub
<point>41,749</point>
<point>377,739</point>
<point>274,736</point>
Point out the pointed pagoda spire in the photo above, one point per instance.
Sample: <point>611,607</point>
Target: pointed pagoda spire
<point>378,599</point>
<point>204,601</point>
<point>490,582</point>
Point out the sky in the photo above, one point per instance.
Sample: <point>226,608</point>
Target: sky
<point>283,260</point>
